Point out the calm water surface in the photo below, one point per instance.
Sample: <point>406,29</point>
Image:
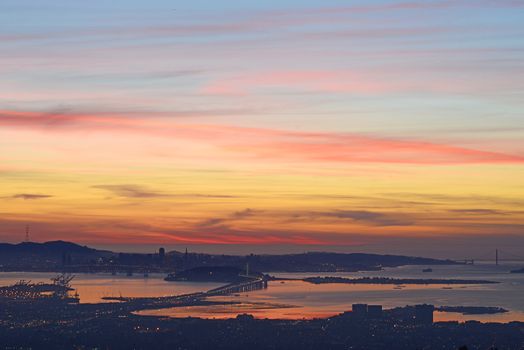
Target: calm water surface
<point>93,287</point>
<point>297,299</point>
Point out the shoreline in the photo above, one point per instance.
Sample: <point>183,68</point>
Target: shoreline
<point>394,281</point>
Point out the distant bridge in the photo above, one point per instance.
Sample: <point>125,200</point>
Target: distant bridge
<point>254,283</point>
<point>242,287</point>
<point>496,256</point>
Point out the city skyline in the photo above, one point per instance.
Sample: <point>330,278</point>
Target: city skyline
<point>355,125</point>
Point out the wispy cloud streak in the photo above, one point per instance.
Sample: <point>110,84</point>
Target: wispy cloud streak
<point>30,196</point>
<point>266,144</point>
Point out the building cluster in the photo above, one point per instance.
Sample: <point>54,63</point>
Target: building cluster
<point>408,315</point>
<point>365,311</point>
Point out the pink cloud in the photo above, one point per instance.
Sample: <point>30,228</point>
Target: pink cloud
<point>359,149</point>
<point>365,81</point>
<point>315,80</point>
<point>260,144</point>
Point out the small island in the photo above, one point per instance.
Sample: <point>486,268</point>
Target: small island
<point>387,280</point>
<point>226,274</point>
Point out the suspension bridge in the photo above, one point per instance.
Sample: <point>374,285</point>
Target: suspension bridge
<point>497,256</point>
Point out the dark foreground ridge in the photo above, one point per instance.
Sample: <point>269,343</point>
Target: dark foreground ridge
<point>51,324</point>
<point>60,256</point>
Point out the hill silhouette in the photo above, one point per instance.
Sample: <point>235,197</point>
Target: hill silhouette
<point>55,255</point>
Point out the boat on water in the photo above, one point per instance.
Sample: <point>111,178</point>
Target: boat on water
<point>428,270</point>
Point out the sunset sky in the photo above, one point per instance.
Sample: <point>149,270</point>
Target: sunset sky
<point>353,124</point>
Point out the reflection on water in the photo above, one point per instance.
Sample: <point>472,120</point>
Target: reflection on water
<point>259,310</point>
<point>317,301</point>
<point>504,317</point>
<point>323,300</point>
<point>305,300</point>
<point>93,287</point>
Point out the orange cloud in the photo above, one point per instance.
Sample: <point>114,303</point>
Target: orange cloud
<point>260,144</point>
<point>318,80</point>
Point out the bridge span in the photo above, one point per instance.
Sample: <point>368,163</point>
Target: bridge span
<point>242,287</point>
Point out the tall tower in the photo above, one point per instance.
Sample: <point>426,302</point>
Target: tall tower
<point>161,255</point>
<point>496,256</point>
<point>27,233</point>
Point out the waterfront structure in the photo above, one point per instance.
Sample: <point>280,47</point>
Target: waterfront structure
<point>424,314</point>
